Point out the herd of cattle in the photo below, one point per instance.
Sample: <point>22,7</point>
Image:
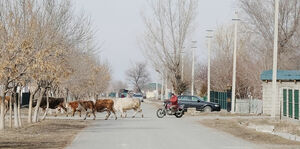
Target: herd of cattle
<point>91,107</point>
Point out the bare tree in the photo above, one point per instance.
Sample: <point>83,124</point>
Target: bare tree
<point>36,39</point>
<point>167,32</point>
<point>259,17</point>
<point>138,76</point>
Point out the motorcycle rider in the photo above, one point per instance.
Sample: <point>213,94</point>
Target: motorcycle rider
<point>174,102</point>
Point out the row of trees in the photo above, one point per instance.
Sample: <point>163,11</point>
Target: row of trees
<point>46,47</point>
<point>169,28</point>
<point>255,45</point>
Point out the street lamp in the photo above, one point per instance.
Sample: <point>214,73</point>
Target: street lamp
<point>236,20</point>
<point>193,67</point>
<point>275,53</point>
<point>209,37</point>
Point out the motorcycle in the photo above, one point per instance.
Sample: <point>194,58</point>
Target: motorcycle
<point>166,110</point>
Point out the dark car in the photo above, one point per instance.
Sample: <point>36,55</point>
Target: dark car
<point>198,103</point>
<point>139,96</point>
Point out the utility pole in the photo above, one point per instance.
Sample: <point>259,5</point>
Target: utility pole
<point>274,78</point>
<point>166,85</point>
<point>182,65</point>
<point>193,67</point>
<point>234,63</point>
<point>209,37</point>
<point>162,88</point>
<point>156,88</point>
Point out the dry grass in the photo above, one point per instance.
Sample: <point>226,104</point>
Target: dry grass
<point>46,134</point>
<point>280,125</point>
<point>233,127</point>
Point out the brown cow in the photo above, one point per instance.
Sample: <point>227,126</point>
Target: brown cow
<point>74,107</point>
<point>6,102</point>
<point>88,107</point>
<point>105,105</point>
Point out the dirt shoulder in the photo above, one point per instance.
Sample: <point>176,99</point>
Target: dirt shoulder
<point>46,134</point>
<point>238,128</point>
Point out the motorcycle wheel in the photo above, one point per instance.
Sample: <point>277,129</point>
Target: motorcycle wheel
<point>160,113</point>
<point>179,114</point>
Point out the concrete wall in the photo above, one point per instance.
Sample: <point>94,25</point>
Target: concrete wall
<point>254,106</point>
<point>267,95</point>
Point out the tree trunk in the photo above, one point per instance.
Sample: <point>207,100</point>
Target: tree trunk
<point>46,111</point>
<point>37,107</point>
<point>19,107</point>
<point>30,105</point>
<point>2,114</point>
<point>10,112</point>
<point>16,119</point>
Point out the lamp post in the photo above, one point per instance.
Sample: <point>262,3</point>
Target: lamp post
<point>193,67</point>
<point>182,65</point>
<point>234,63</point>
<point>275,53</point>
<point>209,37</point>
<point>162,88</point>
<point>166,85</point>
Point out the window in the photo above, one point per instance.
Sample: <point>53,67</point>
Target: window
<point>187,98</point>
<point>195,98</point>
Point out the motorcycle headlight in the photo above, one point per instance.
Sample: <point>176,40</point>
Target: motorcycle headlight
<point>217,105</point>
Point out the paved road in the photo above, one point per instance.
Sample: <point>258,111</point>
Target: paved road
<point>153,133</point>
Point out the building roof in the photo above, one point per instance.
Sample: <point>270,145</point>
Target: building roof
<point>283,75</point>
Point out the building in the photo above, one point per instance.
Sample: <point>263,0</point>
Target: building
<point>288,86</point>
<point>151,91</point>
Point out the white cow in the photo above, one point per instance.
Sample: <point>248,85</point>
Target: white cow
<point>124,104</point>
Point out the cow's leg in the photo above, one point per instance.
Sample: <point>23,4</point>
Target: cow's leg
<point>63,107</point>
<point>73,112</point>
<point>122,112</point>
<point>94,115</point>
<point>86,113</point>
<point>113,111</point>
<point>56,111</point>
<point>125,114</point>
<point>135,112</point>
<point>107,115</point>
<point>141,111</point>
<point>79,113</point>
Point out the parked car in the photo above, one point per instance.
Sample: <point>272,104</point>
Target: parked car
<point>139,96</point>
<point>198,103</point>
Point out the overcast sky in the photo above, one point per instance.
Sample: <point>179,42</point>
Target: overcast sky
<point>119,25</point>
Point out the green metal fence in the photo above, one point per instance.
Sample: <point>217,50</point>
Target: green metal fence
<point>219,97</point>
<point>290,103</point>
<point>284,101</point>
<point>296,100</point>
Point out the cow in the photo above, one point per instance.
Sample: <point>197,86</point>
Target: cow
<point>124,104</point>
<point>53,103</point>
<point>6,102</point>
<point>88,107</point>
<point>107,105</point>
<point>73,106</point>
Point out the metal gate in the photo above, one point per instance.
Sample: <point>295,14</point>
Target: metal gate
<point>220,98</point>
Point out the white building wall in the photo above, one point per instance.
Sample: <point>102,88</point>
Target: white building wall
<point>267,95</point>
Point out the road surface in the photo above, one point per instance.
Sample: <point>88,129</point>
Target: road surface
<point>153,133</point>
